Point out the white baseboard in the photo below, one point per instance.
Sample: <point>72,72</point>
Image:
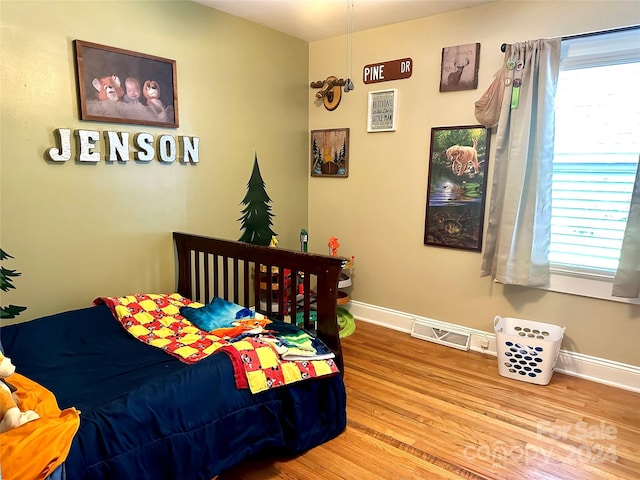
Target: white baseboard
<point>600,370</point>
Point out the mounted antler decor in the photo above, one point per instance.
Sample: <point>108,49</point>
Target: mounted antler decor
<point>330,91</point>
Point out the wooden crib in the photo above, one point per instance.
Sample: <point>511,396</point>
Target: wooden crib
<point>301,286</point>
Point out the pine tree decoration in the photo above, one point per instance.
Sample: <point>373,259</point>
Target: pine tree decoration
<point>317,157</point>
<point>256,215</point>
<point>6,283</point>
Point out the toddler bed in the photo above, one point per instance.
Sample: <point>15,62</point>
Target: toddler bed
<point>146,412</point>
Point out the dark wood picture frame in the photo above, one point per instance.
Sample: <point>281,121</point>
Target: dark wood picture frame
<point>459,68</point>
<point>330,153</point>
<point>121,86</point>
<point>457,186</point>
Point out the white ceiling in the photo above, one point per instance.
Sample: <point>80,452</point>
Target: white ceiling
<point>313,20</point>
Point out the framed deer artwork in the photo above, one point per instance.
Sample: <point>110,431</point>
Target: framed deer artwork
<point>459,70</point>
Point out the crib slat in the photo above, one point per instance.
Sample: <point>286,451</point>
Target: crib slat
<point>198,269</point>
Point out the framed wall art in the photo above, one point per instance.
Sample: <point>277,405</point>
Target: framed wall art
<point>459,69</point>
<point>121,86</point>
<point>383,110</point>
<point>330,153</point>
<point>456,187</point>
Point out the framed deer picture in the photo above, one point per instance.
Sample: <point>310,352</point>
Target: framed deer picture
<point>459,70</point>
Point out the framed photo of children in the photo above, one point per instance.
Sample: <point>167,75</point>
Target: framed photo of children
<point>121,86</point>
<point>330,153</point>
<point>456,187</point>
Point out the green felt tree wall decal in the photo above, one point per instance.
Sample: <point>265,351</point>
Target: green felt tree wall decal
<point>256,215</point>
<point>317,156</point>
<point>6,283</point>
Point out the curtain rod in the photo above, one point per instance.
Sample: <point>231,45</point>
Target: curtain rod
<point>503,47</point>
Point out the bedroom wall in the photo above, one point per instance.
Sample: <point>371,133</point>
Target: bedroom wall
<point>79,231</point>
<point>378,212</point>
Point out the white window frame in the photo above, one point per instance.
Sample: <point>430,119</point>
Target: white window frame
<point>586,284</point>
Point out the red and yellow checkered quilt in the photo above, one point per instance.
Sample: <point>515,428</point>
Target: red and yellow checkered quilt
<point>155,320</point>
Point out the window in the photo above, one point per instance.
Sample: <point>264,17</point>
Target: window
<point>596,151</point>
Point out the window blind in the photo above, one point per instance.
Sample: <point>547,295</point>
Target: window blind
<point>596,151</point>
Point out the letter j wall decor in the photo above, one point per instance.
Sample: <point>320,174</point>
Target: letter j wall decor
<point>456,187</point>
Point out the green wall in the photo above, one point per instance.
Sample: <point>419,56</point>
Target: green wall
<point>79,231</point>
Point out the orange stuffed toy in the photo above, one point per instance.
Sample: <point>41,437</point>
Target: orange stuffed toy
<point>10,415</point>
<point>108,88</point>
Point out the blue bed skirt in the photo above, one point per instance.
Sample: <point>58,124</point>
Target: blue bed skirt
<point>145,414</point>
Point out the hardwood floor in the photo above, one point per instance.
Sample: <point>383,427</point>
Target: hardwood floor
<point>417,410</point>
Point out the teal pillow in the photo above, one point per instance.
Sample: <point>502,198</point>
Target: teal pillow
<point>219,313</point>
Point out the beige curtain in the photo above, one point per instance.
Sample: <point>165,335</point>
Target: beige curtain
<point>516,248</point>
<point>627,280</point>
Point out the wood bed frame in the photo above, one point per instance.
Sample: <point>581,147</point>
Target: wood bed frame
<point>209,267</point>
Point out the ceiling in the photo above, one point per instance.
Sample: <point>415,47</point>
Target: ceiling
<point>313,20</point>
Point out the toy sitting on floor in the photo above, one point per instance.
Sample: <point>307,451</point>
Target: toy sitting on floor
<point>10,415</point>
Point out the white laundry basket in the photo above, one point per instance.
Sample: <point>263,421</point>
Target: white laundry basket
<point>527,350</point>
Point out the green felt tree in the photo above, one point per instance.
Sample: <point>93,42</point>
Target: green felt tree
<point>317,156</point>
<point>256,215</point>
<point>6,283</point>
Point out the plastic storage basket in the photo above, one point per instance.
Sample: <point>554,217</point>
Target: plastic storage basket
<point>527,350</point>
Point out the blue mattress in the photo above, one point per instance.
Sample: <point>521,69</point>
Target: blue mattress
<point>146,415</point>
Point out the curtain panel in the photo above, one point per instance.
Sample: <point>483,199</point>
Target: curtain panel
<point>627,279</point>
<point>519,226</point>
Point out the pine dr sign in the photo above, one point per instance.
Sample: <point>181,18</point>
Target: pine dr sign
<point>385,71</point>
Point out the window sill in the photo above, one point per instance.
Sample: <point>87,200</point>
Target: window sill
<point>593,287</point>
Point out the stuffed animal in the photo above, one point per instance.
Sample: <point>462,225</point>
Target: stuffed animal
<point>151,91</point>
<point>10,415</point>
<point>108,88</point>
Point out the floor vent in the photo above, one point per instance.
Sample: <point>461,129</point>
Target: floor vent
<point>450,338</point>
